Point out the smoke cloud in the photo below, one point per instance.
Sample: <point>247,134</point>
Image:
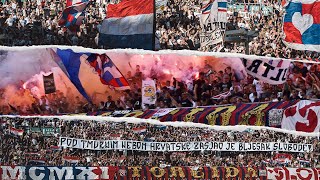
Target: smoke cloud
<point>21,73</point>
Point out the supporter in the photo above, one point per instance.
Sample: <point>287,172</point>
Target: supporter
<point>34,147</point>
<point>210,88</point>
<point>178,27</point>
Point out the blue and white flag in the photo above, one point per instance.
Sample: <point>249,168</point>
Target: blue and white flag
<point>72,63</point>
<point>301,25</point>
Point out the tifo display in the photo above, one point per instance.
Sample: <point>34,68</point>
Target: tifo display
<point>172,90</point>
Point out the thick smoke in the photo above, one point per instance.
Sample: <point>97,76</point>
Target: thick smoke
<point>22,73</point>
<point>167,67</point>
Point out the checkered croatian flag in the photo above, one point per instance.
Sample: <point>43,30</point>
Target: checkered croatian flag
<point>108,72</point>
<point>206,9</point>
<point>75,2</point>
<point>301,24</point>
<point>73,15</point>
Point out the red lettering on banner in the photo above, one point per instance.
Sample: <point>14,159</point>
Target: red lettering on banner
<point>307,113</point>
<point>280,173</point>
<point>293,173</point>
<point>300,172</point>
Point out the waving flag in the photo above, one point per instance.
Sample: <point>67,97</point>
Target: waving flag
<point>78,68</point>
<point>283,158</point>
<point>222,11</point>
<point>108,72</point>
<point>71,159</point>
<point>301,25</point>
<point>73,15</point>
<point>213,18</point>
<point>129,24</point>
<point>71,63</point>
<point>139,130</point>
<point>17,132</point>
<point>206,9</point>
<point>75,2</point>
<point>222,95</point>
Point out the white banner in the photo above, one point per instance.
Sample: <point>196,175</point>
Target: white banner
<point>213,19</point>
<point>182,146</point>
<point>212,32</point>
<point>293,173</point>
<point>303,116</point>
<point>148,92</point>
<point>270,71</point>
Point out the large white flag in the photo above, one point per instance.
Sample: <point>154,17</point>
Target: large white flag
<point>149,95</point>
<point>213,20</point>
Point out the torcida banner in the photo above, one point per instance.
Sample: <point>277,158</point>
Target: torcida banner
<point>154,172</point>
<point>293,173</point>
<point>298,115</point>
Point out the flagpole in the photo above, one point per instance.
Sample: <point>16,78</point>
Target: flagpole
<point>154,26</point>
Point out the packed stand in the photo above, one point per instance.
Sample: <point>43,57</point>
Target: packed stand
<point>36,23</point>
<point>178,27</point>
<point>210,88</point>
<point>37,147</point>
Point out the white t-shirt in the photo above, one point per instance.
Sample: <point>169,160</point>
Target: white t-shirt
<point>14,5</point>
<point>10,21</point>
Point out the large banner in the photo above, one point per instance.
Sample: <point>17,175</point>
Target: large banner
<point>56,172</point>
<point>303,116</point>
<point>257,114</point>
<point>301,24</point>
<point>300,115</point>
<point>213,19</point>
<point>182,146</point>
<point>126,173</point>
<point>293,173</point>
<point>154,172</point>
<point>270,71</point>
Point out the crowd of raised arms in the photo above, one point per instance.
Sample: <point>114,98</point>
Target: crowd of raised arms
<point>302,83</point>
<point>35,147</point>
<point>36,141</point>
<point>36,23</point>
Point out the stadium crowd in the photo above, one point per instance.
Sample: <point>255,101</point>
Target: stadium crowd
<point>178,26</point>
<point>35,147</point>
<point>36,23</point>
<point>210,88</point>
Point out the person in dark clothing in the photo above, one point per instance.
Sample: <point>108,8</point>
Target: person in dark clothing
<point>199,85</point>
<point>110,104</point>
<point>186,100</point>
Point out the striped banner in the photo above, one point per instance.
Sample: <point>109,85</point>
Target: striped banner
<point>257,114</point>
